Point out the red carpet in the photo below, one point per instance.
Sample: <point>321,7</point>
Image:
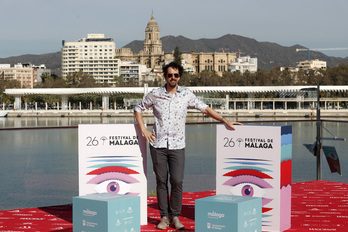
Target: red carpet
<point>316,206</point>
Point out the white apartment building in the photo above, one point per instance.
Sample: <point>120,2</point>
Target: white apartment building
<point>94,55</point>
<point>243,64</point>
<point>312,64</point>
<point>132,70</point>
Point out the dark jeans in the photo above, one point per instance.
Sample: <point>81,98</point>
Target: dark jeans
<point>173,162</point>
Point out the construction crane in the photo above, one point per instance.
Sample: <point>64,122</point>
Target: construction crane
<point>318,49</point>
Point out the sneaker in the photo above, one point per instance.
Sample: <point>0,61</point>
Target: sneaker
<point>163,224</point>
<point>177,224</point>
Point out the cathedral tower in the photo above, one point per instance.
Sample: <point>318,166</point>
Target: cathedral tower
<point>152,54</point>
<point>152,43</point>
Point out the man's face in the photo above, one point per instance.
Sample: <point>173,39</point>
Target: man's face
<point>172,77</point>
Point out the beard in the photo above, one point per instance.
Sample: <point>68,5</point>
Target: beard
<point>172,84</point>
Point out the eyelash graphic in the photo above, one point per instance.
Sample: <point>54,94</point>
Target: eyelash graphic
<point>112,169</point>
<point>249,172</point>
<point>113,176</point>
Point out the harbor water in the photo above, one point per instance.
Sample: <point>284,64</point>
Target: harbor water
<point>39,156</point>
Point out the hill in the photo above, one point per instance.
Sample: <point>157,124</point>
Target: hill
<point>269,54</point>
<point>51,60</point>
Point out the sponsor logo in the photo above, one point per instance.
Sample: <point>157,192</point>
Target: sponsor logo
<point>215,215</point>
<point>87,212</point>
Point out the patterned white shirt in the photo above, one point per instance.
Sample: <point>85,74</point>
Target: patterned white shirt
<point>170,115</point>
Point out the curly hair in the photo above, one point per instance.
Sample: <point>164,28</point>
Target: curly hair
<point>172,65</point>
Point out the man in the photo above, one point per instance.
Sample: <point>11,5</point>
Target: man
<point>167,140</point>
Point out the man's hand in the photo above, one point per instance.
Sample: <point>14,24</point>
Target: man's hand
<point>212,113</point>
<point>150,136</point>
<point>230,124</point>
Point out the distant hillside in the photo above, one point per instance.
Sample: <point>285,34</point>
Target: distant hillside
<point>51,60</point>
<point>269,54</point>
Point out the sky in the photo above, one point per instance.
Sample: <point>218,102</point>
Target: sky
<point>39,26</point>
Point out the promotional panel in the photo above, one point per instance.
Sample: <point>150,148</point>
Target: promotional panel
<point>106,212</point>
<point>112,158</point>
<point>255,161</point>
<point>228,213</point>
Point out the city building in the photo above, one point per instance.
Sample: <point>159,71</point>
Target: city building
<point>39,70</point>
<point>131,71</point>
<point>94,55</point>
<point>27,74</point>
<point>290,69</point>
<point>243,64</point>
<point>98,56</point>
<point>154,57</point>
<point>312,64</point>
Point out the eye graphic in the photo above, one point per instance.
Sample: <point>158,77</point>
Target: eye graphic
<point>248,178</point>
<point>113,186</point>
<point>247,190</point>
<point>113,179</point>
<point>252,181</point>
<point>249,183</point>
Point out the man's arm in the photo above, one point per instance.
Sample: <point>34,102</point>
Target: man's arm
<point>213,114</point>
<point>150,136</point>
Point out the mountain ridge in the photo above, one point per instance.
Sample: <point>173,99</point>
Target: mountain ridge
<point>269,54</point>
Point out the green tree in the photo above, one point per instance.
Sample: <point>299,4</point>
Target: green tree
<point>301,78</point>
<point>285,78</point>
<point>263,78</point>
<point>119,81</point>
<point>80,80</point>
<point>52,82</point>
<point>8,84</point>
<point>87,81</point>
<point>339,74</point>
<point>208,78</point>
<point>177,55</point>
<point>187,79</point>
<point>45,76</point>
<point>236,78</point>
